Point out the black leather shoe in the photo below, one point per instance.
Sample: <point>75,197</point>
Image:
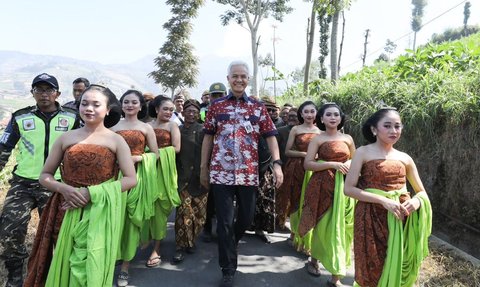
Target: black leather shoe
<point>227,280</point>
<point>178,257</point>
<point>261,234</point>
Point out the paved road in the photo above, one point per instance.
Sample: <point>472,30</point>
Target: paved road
<point>260,265</point>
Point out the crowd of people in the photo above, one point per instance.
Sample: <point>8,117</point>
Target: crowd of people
<point>105,175</point>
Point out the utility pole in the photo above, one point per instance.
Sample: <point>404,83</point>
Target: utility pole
<point>274,64</point>
<point>274,40</point>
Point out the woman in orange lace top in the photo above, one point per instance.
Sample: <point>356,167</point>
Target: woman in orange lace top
<point>377,178</point>
<point>88,156</point>
<point>325,207</point>
<point>166,131</point>
<point>296,149</point>
<point>167,134</point>
<point>138,135</point>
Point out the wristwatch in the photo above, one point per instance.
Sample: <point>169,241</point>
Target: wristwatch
<point>278,161</point>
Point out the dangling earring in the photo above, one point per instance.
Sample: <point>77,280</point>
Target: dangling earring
<point>374,134</point>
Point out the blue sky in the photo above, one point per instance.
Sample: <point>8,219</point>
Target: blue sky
<point>121,31</point>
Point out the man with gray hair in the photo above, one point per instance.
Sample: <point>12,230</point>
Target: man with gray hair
<point>229,162</point>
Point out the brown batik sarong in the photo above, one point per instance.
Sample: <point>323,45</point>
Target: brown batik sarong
<point>190,218</point>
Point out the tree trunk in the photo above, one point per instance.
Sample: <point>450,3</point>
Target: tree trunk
<point>253,81</point>
<point>341,43</point>
<point>333,48</point>
<point>310,38</point>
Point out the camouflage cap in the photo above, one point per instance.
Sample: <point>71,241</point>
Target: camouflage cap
<point>218,88</point>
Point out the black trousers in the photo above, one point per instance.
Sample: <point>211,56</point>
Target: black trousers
<point>230,229</point>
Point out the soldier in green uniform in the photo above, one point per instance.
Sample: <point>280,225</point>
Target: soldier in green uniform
<point>34,129</point>
<point>216,90</point>
<point>190,215</point>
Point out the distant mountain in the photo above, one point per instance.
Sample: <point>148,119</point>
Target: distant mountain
<point>17,71</point>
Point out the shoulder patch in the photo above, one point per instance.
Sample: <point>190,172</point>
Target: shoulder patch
<point>28,124</point>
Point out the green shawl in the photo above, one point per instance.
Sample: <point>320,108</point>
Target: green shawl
<point>167,196</point>
<point>139,205</point>
<point>88,240</point>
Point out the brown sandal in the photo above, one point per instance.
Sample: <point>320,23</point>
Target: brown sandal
<point>153,262</point>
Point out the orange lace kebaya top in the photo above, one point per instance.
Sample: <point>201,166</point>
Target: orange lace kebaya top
<point>294,171</point>
<point>88,164</point>
<point>135,139</point>
<point>164,138</point>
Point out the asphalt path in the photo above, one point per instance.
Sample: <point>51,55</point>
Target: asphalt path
<point>259,265</point>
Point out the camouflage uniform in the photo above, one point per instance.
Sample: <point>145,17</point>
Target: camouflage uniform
<point>23,196</point>
<point>25,192</point>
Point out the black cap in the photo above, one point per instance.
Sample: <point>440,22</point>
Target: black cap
<point>45,78</point>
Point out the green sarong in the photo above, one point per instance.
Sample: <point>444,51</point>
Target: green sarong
<point>88,240</point>
<point>333,234</point>
<point>139,206</point>
<point>407,245</point>
<point>167,196</point>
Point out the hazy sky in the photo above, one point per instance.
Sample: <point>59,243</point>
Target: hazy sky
<point>119,31</point>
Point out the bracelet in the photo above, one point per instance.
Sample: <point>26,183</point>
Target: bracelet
<point>278,161</point>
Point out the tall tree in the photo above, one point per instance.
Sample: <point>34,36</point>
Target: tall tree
<point>176,63</point>
<point>336,9</point>
<point>417,15</point>
<point>333,41</point>
<point>253,12</point>
<point>466,15</point>
<point>310,38</point>
<point>329,12</point>
<point>324,20</point>
<point>341,43</point>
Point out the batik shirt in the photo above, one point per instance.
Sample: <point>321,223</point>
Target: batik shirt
<point>236,125</point>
